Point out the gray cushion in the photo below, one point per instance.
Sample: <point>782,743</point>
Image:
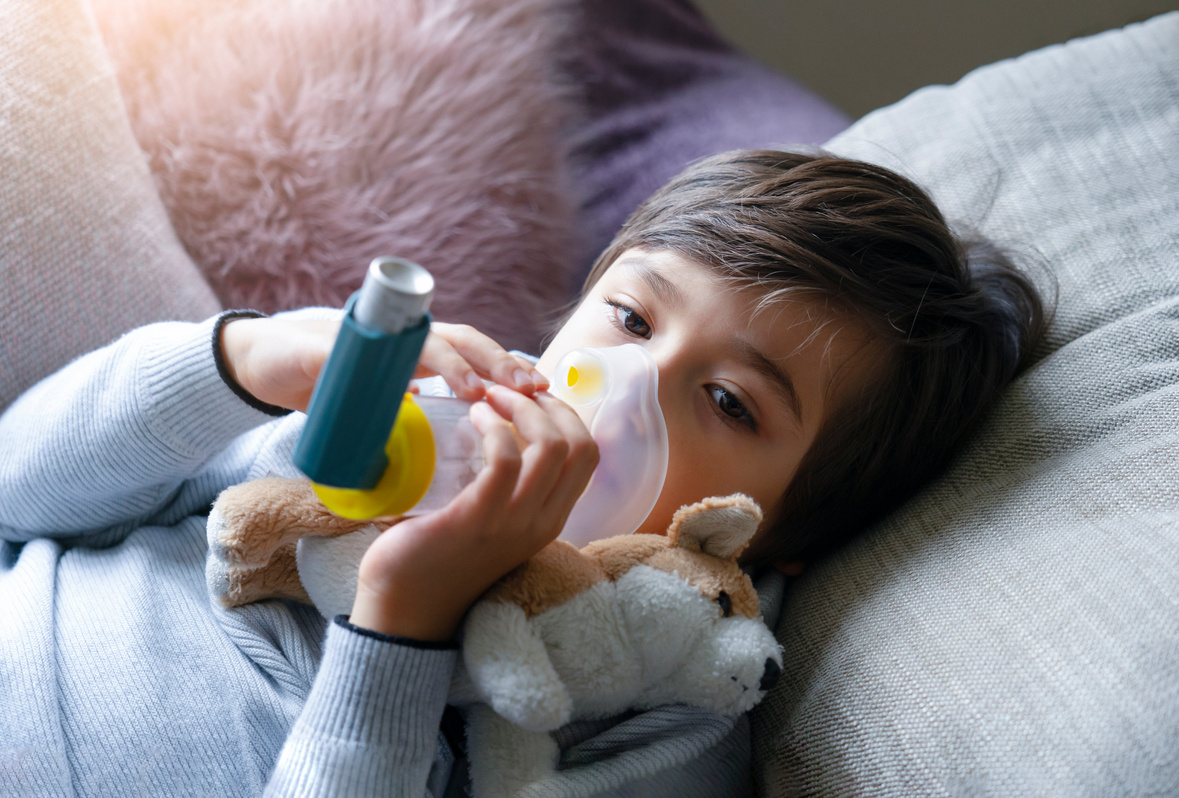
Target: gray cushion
<point>1014,630</point>
<point>86,250</point>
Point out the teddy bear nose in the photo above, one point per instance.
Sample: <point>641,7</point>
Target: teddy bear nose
<point>770,675</point>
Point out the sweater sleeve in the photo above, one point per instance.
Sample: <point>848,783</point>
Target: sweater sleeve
<point>109,439</point>
<point>370,725</point>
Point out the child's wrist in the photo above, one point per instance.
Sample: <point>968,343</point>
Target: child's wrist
<point>345,622</point>
<point>226,357</point>
<point>377,612</point>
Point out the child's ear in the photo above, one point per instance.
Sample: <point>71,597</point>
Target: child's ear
<point>791,568</point>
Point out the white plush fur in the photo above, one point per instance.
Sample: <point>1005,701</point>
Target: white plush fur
<point>328,569</point>
<point>648,639</point>
<point>504,756</point>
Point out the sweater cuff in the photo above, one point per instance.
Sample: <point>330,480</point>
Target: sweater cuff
<point>223,367</point>
<point>370,724</point>
<point>430,645</point>
<point>184,397</point>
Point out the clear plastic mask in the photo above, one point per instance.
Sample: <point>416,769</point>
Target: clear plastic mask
<point>616,391</point>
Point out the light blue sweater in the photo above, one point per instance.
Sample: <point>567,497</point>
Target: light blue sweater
<point>119,676</point>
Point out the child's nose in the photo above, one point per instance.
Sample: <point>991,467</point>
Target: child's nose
<point>672,361</point>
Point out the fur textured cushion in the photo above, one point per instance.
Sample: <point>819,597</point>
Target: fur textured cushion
<point>294,140</point>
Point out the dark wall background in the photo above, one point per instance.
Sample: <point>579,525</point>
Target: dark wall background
<point>863,54</point>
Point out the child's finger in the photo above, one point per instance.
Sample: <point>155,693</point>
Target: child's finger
<point>580,461</point>
<point>583,449</point>
<point>557,464</point>
<point>493,486</point>
<point>491,360</point>
<point>545,448</point>
<point>440,357</point>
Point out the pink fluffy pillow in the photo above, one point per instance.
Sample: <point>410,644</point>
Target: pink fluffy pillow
<point>292,141</point>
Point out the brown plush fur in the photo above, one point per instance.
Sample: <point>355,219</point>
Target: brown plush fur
<point>555,574</point>
<point>265,518</point>
<point>278,579</point>
<point>711,576</point>
<point>559,572</point>
<point>268,513</point>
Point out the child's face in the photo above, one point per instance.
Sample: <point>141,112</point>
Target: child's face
<point>743,392</point>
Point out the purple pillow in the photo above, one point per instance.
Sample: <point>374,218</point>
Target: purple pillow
<point>662,89</point>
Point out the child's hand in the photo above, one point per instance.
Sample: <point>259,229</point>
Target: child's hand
<point>419,578</point>
<point>278,360</point>
<point>464,357</point>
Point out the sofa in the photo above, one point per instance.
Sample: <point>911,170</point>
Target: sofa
<point>1013,629</point>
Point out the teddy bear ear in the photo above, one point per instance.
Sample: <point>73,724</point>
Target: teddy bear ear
<point>721,525</point>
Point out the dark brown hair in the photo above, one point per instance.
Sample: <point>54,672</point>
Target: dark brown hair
<point>954,317</point>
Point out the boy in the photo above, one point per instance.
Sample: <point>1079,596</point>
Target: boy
<point>823,343</point>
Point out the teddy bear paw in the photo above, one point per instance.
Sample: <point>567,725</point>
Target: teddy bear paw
<point>225,561</point>
<point>237,574</point>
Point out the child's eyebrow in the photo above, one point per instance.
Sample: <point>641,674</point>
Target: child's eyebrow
<point>755,359</point>
<point>664,289</point>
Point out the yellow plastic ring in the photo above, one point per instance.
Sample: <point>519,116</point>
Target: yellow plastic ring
<point>411,453</point>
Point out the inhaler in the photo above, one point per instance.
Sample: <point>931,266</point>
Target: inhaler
<point>368,456</point>
<point>344,444</point>
<point>615,391</point>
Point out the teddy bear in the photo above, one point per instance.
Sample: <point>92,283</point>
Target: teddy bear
<point>625,623</point>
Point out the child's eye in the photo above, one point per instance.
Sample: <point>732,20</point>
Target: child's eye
<point>730,407</point>
<point>627,320</point>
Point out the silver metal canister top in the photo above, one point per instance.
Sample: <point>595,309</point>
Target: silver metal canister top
<point>396,293</point>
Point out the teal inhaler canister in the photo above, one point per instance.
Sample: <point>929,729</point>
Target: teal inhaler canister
<point>360,388</point>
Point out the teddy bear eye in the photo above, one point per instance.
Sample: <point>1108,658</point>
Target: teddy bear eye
<point>726,603</point>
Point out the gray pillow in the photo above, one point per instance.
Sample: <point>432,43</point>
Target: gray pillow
<point>86,250</point>
<point>1014,629</point>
